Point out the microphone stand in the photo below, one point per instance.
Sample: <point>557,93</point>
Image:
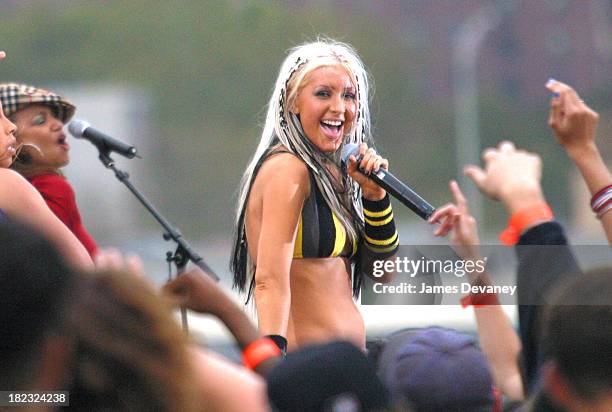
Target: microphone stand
<point>183,252</point>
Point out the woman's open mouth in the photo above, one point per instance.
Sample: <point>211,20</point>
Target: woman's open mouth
<point>332,128</point>
<point>63,143</point>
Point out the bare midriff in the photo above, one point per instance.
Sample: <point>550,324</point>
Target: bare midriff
<point>322,307</point>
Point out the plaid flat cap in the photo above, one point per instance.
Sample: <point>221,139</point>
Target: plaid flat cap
<point>15,97</point>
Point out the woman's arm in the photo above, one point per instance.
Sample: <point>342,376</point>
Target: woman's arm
<point>226,386</point>
<point>283,185</point>
<point>381,239</point>
<point>197,291</point>
<point>575,124</point>
<point>514,177</point>
<point>498,339</point>
<point>21,201</point>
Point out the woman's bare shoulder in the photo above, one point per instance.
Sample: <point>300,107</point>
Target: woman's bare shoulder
<point>15,190</point>
<point>9,174</point>
<point>284,168</point>
<point>11,181</point>
<point>17,196</point>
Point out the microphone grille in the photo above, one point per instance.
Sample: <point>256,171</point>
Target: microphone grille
<point>77,127</point>
<point>348,150</point>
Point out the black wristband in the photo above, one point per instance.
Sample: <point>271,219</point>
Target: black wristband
<point>376,205</point>
<point>280,341</point>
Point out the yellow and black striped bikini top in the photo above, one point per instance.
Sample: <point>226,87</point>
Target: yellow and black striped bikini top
<point>320,233</point>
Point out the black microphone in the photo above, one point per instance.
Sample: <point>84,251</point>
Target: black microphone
<point>391,184</point>
<point>83,130</point>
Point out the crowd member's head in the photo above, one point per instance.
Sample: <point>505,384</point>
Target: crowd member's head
<point>578,337</point>
<point>306,118</point>
<point>130,353</point>
<point>8,144</point>
<point>36,288</point>
<point>40,116</point>
<point>436,369</point>
<point>329,377</point>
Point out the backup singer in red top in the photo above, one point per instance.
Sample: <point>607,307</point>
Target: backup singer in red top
<point>40,116</point>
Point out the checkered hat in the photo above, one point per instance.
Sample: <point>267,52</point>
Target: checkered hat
<point>15,97</point>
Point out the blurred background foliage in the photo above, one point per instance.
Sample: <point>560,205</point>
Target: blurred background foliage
<point>210,66</point>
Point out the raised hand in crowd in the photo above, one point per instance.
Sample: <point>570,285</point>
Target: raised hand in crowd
<point>573,122</point>
<point>510,175</point>
<point>574,125</point>
<point>513,177</point>
<point>456,219</point>
<point>198,292</point>
<point>498,339</point>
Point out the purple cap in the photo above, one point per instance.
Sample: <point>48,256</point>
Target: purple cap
<point>437,369</point>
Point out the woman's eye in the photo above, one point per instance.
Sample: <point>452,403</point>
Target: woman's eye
<point>38,120</point>
<point>350,96</point>
<point>322,93</point>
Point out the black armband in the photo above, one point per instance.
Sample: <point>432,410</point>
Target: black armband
<point>280,341</point>
<point>380,232</point>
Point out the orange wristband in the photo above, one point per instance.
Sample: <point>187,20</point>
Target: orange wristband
<point>479,300</point>
<point>258,351</point>
<point>522,219</point>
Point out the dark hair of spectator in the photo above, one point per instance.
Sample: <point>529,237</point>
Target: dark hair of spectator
<point>578,333</point>
<point>35,288</point>
<point>130,352</point>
